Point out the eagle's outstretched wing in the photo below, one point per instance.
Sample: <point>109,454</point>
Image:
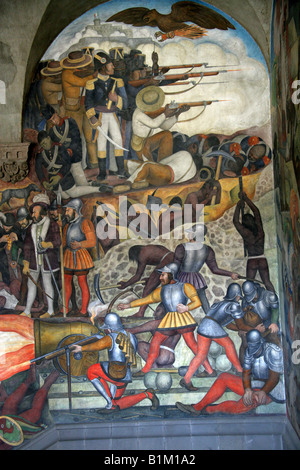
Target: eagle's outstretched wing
<point>133,16</point>
<point>200,15</point>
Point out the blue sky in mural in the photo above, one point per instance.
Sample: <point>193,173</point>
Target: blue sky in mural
<point>105,10</point>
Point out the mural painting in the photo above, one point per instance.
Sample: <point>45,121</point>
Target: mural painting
<point>285,55</point>
<point>139,263</point>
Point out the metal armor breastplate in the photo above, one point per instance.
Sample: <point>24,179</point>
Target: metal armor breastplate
<point>172,295</point>
<point>217,312</point>
<point>260,369</point>
<point>115,353</point>
<point>74,232</point>
<point>195,257</point>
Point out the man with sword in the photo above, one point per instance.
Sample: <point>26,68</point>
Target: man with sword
<point>105,96</point>
<point>43,234</point>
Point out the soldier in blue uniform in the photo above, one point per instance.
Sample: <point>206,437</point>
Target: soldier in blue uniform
<point>105,96</point>
<point>65,131</point>
<point>53,168</point>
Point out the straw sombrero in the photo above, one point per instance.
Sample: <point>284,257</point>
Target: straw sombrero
<point>150,99</point>
<point>53,68</point>
<point>76,60</point>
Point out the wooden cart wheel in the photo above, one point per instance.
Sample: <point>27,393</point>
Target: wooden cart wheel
<point>78,364</point>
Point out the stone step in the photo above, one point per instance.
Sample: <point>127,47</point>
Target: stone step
<point>84,395</point>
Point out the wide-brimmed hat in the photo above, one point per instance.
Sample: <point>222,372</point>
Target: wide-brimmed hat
<point>150,99</point>
<point>53,68</point>
<point>76,60</point>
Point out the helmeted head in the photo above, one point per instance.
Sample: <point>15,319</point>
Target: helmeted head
<point>234,309</point>
<point>255,341</point>
<point>23,217</point>
<point>76,205</point>
<point>112,322</point>
<point>234,290</point>
<point>171,268</point>
<point>249,290</point>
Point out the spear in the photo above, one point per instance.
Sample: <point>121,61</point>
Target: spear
<point>62,271</point>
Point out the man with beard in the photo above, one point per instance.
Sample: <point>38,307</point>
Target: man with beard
<point>253,235</point>
<point>42,232</point>
<point>178,319</point>
<point>78,237</point>
<point>23,223</point>
<point>7,239</point>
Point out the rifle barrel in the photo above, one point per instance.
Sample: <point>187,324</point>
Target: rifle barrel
<point>185,66</point>
<point>182,76</point>
<point>61,351</point>
<point>154,114</point>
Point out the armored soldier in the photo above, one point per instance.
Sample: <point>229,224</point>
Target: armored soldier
<point>78,237</point>
<point>191,257</point>
<point>211,328</point>
<point>178,320</point>
<point>110,378</point>
<point>261,311</point>
<point>105,97</point>
<point>259,385</point>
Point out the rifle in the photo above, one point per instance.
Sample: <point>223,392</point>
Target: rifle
<point>180,76</point>
<point>173,105</point>
<point>186,66</point>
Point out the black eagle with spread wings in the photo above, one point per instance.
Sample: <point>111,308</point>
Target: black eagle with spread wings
<point>173,24</point>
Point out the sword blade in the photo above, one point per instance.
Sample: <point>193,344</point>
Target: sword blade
<point>110,140</point>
